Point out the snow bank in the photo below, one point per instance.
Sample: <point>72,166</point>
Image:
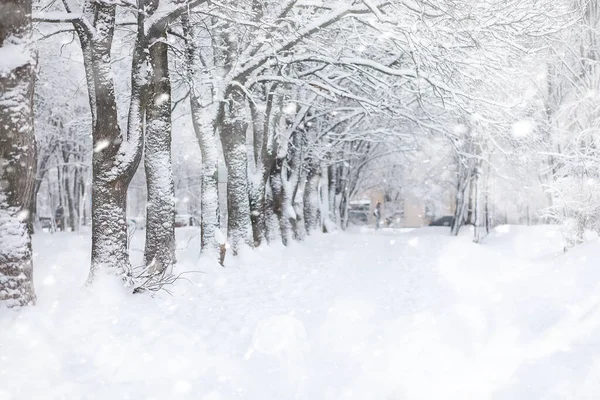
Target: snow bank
<point>366,315</point>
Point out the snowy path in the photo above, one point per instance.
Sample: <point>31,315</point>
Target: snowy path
<point>372,315</point>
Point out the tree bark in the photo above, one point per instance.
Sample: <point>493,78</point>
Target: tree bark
<point>159,252</point>
<point>264,158</point>
<point>464,178</point>
<point>299,225</point>
<point>17,154</point>
<point>332,175</point>
<point>311,199</point>
<point>113,161</point>
<point>479,214</point>
<point>282,202</point>
<point>233,138</point>
<point>205,133</point>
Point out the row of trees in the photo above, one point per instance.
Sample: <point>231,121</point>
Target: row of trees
<point>300,99</point>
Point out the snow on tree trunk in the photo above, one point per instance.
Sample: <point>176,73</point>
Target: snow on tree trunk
<point>479,214</point>
<point>17,154</point>
<point>70,201</point>
<point>311,199</point>
<point>272,229</point>
<point>256,195</point>
<point>210,192</point>
<point>160,211</point>
<point>332,185</point>
<point>325,211</point>
<point>299,225</point>
<point>109,226</point>
<point>464,177</point>
<point>114,159</point>
<point>461,205</point>
<point>265,142</point>
<point>281,200</point>
<point>233,138</point>
<point>343,202</point>
<point>204,128</point>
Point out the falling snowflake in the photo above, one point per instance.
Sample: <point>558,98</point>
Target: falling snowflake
<point>101,145</point>
<point>161,99</point>
<point>522,129</point>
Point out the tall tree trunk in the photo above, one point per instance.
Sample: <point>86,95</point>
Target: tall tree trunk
<point>17,153</point>
<point>83,210</point>
<point>332,175</point>
<point>299,225</point>
<point>344,190</point>
<point>281,200</point>
<point>205,134</point>
<point>469,216</point>
<point>264,153</point>
<point>324,199</point>
<point>272,230</point>
<point>233,138</point>
<point>257,194</point>
<point>463,187</point>
<point>59,183</point>
<point>160,211</point>
<point>210,187</point>
<point>77,197</point>
<point>311,199</point>
<point>70,203</point>
<point>41,172</point>
<point>479,214</point>
<point>113,161</point>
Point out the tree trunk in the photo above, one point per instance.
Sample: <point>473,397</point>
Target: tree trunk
<point>264,153</point>
<point>83,210</point>
<point>233,138</point>
<point>109,226</point>
<point>17,154</point>
<point>257,207</point>
<point>205,133</point>
<point>332,175</point>
<point>272,229</point>
<point>281,200</point>
<point>479,213</point>
<point>77,197</point>
<point>70,203</point>
<point>299,225</point>
<point>311,199</point>
<point>160,211</point>
<point>324,199</point>
<point>463,186</point>
<point>113,162</point>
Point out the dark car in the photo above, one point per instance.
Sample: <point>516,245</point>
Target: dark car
<point>182,220</point>
<point>443,221</point>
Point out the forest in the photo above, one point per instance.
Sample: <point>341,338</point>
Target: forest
<point>153,150</point>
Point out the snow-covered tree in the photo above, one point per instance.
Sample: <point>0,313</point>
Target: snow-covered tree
<point>17,153</point>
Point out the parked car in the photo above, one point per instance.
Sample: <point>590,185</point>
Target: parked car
<point>182,220</point>
<point>443,221</point>
<point>358,212</point>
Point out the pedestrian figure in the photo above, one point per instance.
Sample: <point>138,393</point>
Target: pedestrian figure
<point>58,218</point>
<point>377,214</point>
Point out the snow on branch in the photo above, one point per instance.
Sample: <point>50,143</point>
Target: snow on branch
<point>324,21</point>
<point>58,17</point>
<point>357,61</point>
<point>168,12</point>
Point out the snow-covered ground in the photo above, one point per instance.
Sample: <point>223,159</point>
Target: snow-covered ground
<point>360,315</point>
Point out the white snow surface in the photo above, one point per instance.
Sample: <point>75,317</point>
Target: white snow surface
<point>387,314</point>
